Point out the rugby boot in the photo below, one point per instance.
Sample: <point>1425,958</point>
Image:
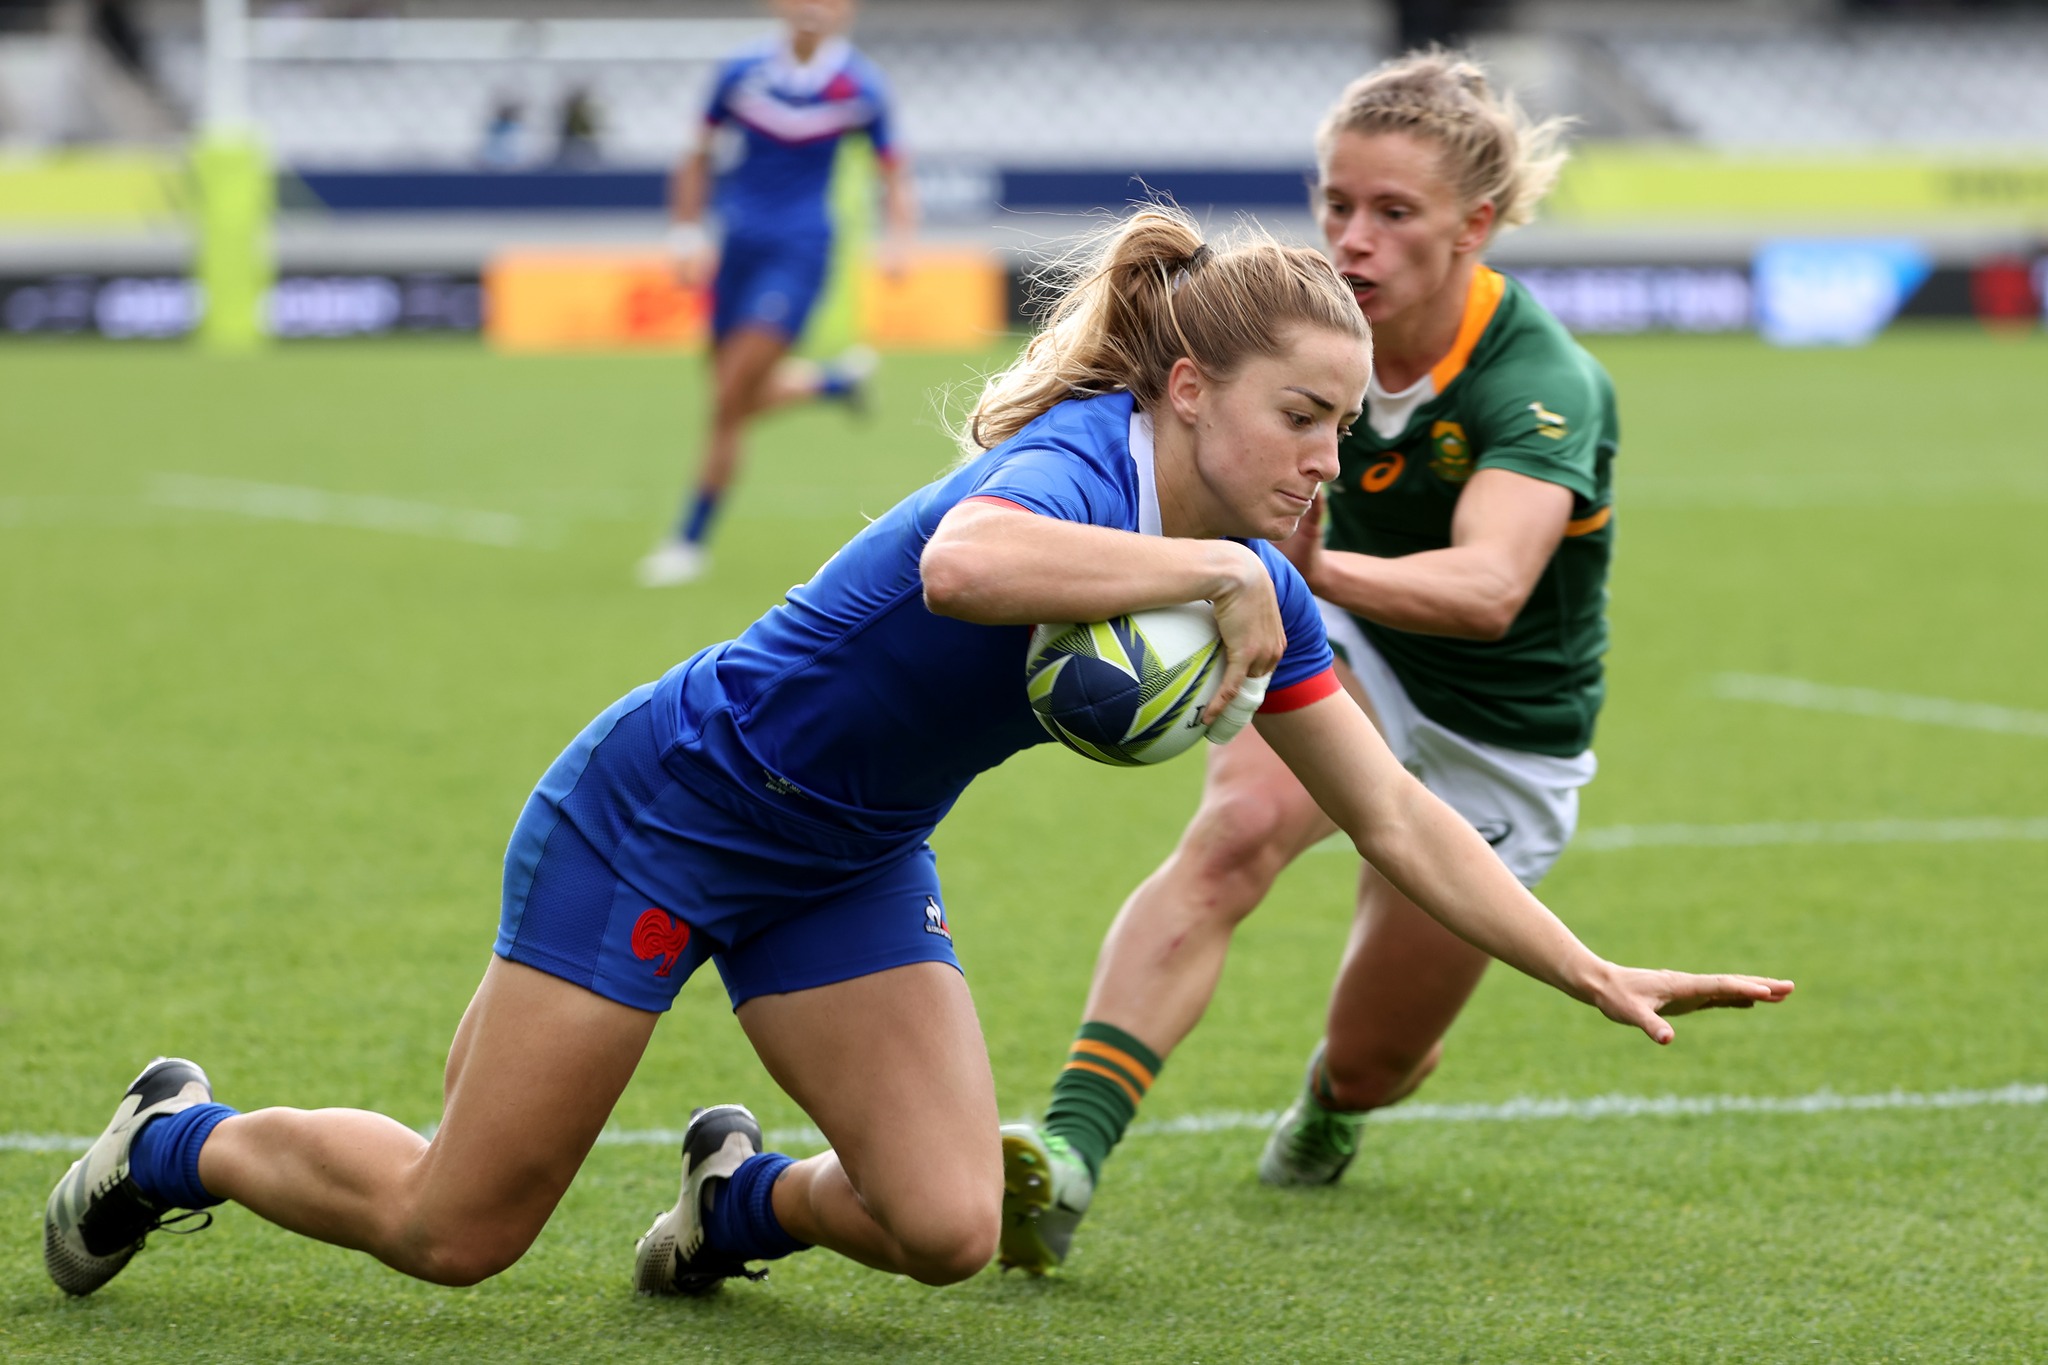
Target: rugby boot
<point>96,1219</point>
<point>671,563</point>
<point>851,374</point>
<point>1311,1144</point>
<point>1046,1189</point>
<point>672,1258</point>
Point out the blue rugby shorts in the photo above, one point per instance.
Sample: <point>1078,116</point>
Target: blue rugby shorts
<point>772,283</point>
<point>623,879</point>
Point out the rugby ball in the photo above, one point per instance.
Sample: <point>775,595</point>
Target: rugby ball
<point>1128,691</point>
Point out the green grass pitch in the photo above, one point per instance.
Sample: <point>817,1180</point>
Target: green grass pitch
<point>260,752</point>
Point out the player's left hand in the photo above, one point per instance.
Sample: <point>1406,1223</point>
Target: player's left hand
<point>1645,998</point>
<point>1304,549</point>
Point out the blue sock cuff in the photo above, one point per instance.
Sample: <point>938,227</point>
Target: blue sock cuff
<point>164,1160</point>
<point>696,524</point>
<point>742,1221</point>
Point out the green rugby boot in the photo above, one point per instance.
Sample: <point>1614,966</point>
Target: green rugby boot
<point>1310,1145</point>
<point>1046,1189</point>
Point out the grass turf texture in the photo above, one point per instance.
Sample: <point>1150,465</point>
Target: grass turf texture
<point>259,774</point>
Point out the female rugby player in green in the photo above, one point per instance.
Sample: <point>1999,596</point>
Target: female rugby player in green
<point>1463,582</point>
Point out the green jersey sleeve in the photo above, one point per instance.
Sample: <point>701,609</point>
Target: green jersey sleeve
<point>1545,417</point>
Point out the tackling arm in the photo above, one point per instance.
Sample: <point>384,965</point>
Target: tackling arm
<point>1505,529</point>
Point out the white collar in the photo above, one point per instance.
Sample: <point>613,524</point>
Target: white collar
<point>1143,456</point>
<point>1388,413</point>
<point>807,78</point>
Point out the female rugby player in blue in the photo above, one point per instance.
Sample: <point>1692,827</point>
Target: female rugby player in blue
<point>766,804</point>
<point>783,107</point>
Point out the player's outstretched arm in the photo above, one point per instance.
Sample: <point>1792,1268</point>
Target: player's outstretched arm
<point>1440,862</point>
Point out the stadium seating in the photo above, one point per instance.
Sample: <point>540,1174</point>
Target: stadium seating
<point>1214,91</point>
<point>1890,85</point>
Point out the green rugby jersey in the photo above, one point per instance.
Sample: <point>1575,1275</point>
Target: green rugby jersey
<point>1515,392</point>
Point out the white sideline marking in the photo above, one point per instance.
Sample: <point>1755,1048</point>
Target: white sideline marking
<point>1776,833</point>
<point>1864,701</point>
<point>1787,833</point>
<point>2020,1094</point>
<point>285,502</point>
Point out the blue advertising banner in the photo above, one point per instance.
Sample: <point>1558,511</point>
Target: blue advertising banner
<point>1834,293</point>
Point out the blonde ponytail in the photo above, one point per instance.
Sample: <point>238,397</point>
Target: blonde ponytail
<point>1143,294</point>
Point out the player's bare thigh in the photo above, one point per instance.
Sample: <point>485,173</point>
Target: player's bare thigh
<point>893,1069</point>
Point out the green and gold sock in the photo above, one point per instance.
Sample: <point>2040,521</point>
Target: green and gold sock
<point>1098,1093</point>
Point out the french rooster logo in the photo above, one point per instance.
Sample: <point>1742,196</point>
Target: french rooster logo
<point>660,934</point>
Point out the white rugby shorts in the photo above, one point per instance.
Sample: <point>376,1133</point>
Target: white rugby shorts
<point>1525,805</point>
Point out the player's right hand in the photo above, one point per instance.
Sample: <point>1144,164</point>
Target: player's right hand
<point>1646,998</point>
<point>694,257</point>
<point>1248,619</point>
<point>695,271</point>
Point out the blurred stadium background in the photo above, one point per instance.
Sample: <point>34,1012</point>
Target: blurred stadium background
<point>462,165</point>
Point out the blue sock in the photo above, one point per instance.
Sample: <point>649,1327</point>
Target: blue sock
<point>834,382</point>
<point>741,1221</point>
<point>164,1159</point>
<point>697,523</point>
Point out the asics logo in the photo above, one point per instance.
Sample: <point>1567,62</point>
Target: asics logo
<point>658,934</point>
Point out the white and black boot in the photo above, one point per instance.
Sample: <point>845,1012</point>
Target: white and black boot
<point>97,1219</point>
<point>672,1258</point>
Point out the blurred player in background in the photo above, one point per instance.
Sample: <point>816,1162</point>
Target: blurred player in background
<point>778,111</point>
<point>766,806</point>
<point>1463,586</point>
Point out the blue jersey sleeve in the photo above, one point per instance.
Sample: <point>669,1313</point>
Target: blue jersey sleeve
<point>718,109</point>
<point>1306,672</point>
<point>1057,482</point>
<point>881,126</point>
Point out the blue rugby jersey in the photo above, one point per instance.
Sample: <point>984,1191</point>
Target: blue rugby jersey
<point>790,118</point>
<point>853,708</point>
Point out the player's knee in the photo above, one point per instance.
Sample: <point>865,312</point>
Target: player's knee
<point>948,1241</point>
<point>956,1254</point>
<point>730,409</point>
<point>452,1250</point>
<point>1380,1075</point>
<point>459,1259</point>
<point>1237,844</point>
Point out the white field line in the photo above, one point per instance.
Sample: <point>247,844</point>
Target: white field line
<point>1787,834</point>
<point>2018,1095</point>
<point>1864,701</point>
<point>1783,833</point>
<point>285,502</point>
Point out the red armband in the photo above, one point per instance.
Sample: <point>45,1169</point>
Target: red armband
<point>1304,693</point>
<point>1000,502</point>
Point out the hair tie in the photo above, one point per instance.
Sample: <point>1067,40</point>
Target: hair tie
<point>1198,258</point>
